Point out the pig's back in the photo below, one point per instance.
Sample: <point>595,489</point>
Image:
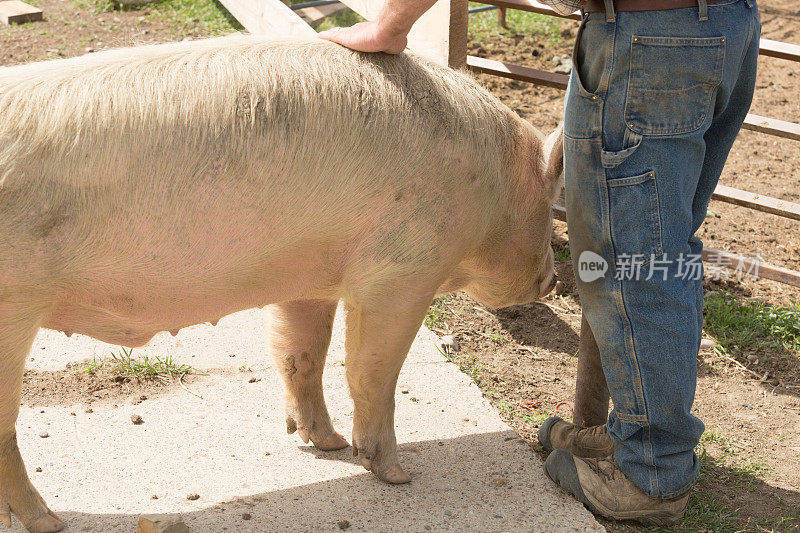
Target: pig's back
<point>300,99</point>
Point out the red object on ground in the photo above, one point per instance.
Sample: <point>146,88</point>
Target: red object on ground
<point>559,404</point>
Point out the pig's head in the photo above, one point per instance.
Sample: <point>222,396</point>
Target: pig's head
<point>515,263</point>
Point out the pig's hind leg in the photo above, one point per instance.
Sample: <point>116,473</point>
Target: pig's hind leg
<point>379,334</point>
<point>17,331</point>
<point>300,333</point>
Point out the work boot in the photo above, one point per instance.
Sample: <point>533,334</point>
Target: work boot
<point>601,486</point>
<point>593,441</point>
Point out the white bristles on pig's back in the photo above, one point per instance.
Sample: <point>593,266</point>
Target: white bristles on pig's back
<point>201,93</point>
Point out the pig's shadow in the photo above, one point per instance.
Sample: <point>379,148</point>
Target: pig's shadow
<point>345,455</point>
<point>539,326</point>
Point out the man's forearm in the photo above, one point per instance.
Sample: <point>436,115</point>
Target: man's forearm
<point>397,16</point>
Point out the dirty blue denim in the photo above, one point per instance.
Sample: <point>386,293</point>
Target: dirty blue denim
<point>652,110</point>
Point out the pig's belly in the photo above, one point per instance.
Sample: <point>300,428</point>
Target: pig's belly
<point>128,310</point>
<point>132,320</point>
<point>185,259</point>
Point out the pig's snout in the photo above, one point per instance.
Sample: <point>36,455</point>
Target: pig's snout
<point>547,286</point>
<point>547,274</point>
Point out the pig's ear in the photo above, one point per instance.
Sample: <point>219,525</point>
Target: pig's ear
<point>554,155</point>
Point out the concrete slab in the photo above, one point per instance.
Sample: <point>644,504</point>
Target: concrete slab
<point>470,471</point>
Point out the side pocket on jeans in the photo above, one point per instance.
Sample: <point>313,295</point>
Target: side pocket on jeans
<point>583,110</point>
<point>672,82</point>
<point>635,218</point>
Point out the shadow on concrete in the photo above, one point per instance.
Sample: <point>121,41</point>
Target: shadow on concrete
<point>483,482</point>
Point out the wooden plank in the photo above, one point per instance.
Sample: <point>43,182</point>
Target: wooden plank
<point>517,72</point>
<point>767,47</point>
<point>268,17</point>
<point>757,201</point>
<point>16,12</point>
<point>530,6</point>
<point>312,15</point>
<point>729,261</point>
<point>780,50</point>
<point>457,35</point>
<point>751,267</point>
<point>772,126</point>
<point>439,35</point>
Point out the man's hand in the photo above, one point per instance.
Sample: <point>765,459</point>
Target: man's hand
<point>367,37</point>
<point>388,33</point>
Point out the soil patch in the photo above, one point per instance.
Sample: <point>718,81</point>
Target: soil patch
<point>71,387</point>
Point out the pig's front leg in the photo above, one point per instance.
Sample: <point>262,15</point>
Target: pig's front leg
<point>379,334</point>
<point>17,495</point>
<point>300,333</point>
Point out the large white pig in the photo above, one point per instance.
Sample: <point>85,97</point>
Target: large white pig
<point>149,189</point>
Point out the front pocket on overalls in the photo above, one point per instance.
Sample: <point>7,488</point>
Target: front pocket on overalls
<point>583,108</point>
<point>671,83</point>
<point>635,219</point>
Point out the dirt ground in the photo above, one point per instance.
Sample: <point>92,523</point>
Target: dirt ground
<point>69,387</point>
<point>524,358</point>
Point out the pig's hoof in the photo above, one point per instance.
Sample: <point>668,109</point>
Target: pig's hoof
<point>395,475</point>
<point>332,442</point>
<point>326,441</point>
<point>47,524</point>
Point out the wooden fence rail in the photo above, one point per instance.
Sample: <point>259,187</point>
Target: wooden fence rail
<point>768,48</point>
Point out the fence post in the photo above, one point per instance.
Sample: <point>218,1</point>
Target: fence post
<point>501,17</point>
<point>459,22</point>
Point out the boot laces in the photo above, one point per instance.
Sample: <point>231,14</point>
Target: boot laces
<point>604,467</point>
<point>591,434</point>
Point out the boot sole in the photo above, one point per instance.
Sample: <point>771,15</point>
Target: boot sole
<point>560,468</point>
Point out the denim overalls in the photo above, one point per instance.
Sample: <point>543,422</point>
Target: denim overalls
<point>653,106</point>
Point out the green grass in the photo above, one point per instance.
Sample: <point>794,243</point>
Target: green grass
<point>435,316</point>
<point>468,365</point>
<point>208,15</point>
<point>345,18</point>
<point>740,325</point>
<point>706,512</point>
<point>788,523</point>
<point>185,15</point>
<point>124,364</point>
<point>562,254</point>
<point>483,26</point>
<point>499,338</point>
<point>748,469</point>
